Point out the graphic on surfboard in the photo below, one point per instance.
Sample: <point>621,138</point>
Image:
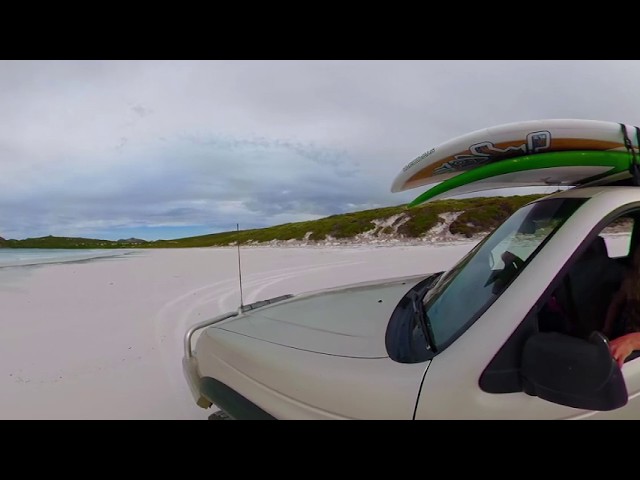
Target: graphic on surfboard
<point>519,154</point>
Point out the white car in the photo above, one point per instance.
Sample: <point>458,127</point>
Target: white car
<point>512,331</point>
<point>475,342</point>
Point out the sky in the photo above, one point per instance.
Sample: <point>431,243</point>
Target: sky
<point>171,149</point>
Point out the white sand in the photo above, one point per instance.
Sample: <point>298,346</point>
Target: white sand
<point>103,339</point>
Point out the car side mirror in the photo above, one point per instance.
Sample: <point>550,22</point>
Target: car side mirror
<point>572,371</point>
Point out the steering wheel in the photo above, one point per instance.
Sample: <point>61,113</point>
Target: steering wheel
<point>511,260</point>
<point>512,264</point>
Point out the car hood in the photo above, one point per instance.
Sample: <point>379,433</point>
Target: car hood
<point>349,321</point>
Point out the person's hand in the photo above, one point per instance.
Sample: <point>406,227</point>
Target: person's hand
<point>622,347</point>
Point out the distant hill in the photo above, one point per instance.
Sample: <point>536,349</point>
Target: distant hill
<point>71,242</point>
<point>445,219</point>
<point>132,241</point>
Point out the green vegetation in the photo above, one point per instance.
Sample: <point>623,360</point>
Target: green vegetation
<point>479,215</point>
<point>487,214</point>
<point>70,242</point>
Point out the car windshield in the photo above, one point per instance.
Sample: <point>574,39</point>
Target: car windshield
<point>476,281</point>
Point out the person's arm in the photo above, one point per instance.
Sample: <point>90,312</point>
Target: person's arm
<point>623,346</point>
<point>613,311</point>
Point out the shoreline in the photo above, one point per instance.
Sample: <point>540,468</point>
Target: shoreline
<point>278,244</point>
<point>58,261</point>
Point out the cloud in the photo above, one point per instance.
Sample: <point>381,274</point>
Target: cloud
<point>104,147</point>
<point>194,181</point>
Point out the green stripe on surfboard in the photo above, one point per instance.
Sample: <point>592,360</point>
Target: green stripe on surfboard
<point>618,161</point>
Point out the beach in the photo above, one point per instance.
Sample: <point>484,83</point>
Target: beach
<point>102,338</point>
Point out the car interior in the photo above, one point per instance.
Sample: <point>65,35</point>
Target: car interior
<point>578,306</point>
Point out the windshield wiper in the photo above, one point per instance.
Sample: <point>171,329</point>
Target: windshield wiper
<point>420,315</point>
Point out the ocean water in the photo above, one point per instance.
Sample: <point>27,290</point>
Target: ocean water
<point>35,256</point>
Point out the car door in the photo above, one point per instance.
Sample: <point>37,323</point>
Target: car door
<point>622,239</point>
<point>460,382</point>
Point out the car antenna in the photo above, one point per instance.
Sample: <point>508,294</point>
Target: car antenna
<point>239,269</point>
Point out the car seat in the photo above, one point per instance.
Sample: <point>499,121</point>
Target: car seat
<point>589,287</point>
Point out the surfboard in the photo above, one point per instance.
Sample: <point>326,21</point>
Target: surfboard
<point>557,169</point>
<point>514,140</point>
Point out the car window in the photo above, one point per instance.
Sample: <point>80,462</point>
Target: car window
<point>521,244</point>
<point>617,236</point>
<point>469,288</point>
